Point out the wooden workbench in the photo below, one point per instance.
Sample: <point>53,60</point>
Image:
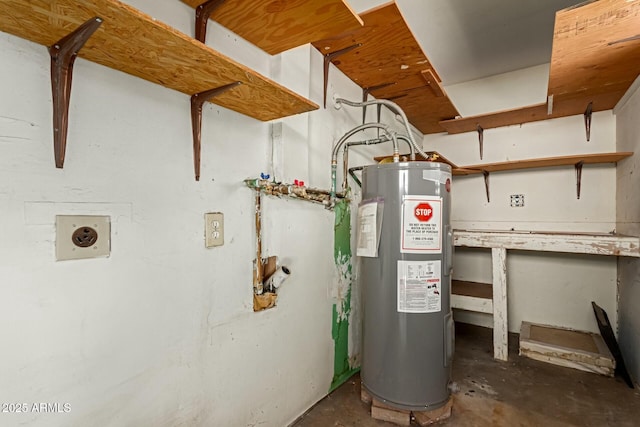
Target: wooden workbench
<point>500,241</point>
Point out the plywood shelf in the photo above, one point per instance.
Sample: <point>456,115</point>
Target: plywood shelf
<point>595,58</point>
<point>278,26</point>
<point>596,51</point>
<point>497,119</point>
<point>545,162</point>
<point>135,43</point>
<point>389,63</point>
<point>523,164</point>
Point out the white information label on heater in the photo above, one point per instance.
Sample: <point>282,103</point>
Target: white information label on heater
<point>421,230</point>
<point>367,230</point>
<point>419,287</point>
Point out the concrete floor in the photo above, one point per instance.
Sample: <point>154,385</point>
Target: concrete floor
<point>520,392</point>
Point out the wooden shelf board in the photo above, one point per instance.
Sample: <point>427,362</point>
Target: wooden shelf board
<point>588,55</point>
<point>135,43</point>
<point>497,119</point>
<point>472,289</point>
<point>568,242</point>
<point>547,162</point>
<point>391,54</point>
<point>472,296</point>
<point>276,26</point>
<point>541,163</point>
<point>568,105</point>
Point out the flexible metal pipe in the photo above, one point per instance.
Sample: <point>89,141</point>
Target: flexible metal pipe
<point>412,153</point>
<point>352,172</point>
<point>345,155</point>
<point>336,150</point>
<point>393,107</point>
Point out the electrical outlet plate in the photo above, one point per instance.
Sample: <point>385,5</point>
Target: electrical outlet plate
<point>82,236</point>
<point>213,229</point>
<point>517,200</point>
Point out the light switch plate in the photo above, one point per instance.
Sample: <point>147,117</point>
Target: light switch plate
<point>213,229</point>
<point>82,236</point>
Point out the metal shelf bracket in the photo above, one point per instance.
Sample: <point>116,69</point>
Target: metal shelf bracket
<point>365,97</point>
<point>578,167</point>
<point>587,121</point>
<point>63,54</point>
<point>327,60</point>
<point>197,101</point>
<point>203,12</point>
<point>481,140</point>
<point>486,183</point>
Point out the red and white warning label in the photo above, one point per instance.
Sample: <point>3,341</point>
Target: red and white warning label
<point>419,287</point>
<point>421,230</point>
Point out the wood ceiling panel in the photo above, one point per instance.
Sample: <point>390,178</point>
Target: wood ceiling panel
<point>391,54</point>
<point>595,51</point>
<point>276,26</point>
<point>135,43</point>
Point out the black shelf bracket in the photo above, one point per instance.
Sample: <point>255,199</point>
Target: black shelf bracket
<point>587,120</point>
<point>197,101</point>
<point>203,12</point>
<point>578,167</point>
<point>365,97</point>
<point>327,60</point>
<point>486,183</point>
<point>63,54</point>
<point>481,140</point>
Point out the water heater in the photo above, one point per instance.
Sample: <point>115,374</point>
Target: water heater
<point>405,246</point>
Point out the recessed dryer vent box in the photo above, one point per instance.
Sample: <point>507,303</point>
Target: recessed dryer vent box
<point>82,236</point>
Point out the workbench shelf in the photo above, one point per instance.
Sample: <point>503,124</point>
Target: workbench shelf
<point>500,241</point>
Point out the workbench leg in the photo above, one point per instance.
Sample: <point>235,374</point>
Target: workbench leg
<point>500,317</point>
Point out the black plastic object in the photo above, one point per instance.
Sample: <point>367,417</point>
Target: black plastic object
<point>610,339</point>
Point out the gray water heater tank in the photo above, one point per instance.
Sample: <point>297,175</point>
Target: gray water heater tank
<point>406,249</point>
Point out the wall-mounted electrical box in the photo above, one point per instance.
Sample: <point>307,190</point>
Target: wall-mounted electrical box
<point>82,236</point>
<point>517,200</point>
<point>213,229</point>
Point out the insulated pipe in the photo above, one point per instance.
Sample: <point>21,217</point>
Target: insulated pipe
<point>393,107</point>
<point>336,149</point>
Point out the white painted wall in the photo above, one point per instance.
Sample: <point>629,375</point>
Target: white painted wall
<point>553,289</point>
<point>628,222</point>
<point>162,332</point>
<point>505,91</point>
